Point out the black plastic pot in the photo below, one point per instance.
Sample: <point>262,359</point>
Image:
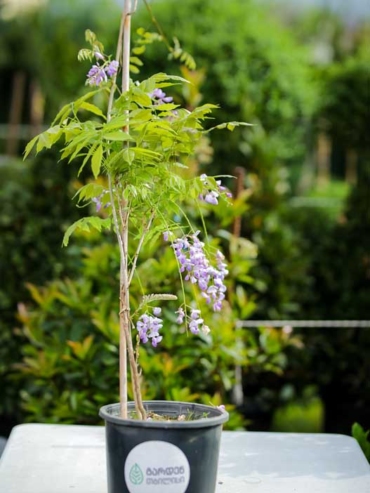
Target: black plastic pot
<point>163,456</point>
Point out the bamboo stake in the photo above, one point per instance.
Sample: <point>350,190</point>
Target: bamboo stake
<point>126,346</point>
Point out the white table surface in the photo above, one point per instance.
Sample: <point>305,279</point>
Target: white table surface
<point>40,458</point>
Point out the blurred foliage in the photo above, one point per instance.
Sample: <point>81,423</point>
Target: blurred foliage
<point>44,44</point>
<point>334,254</point>
<point>346,290</point>
<point>346,102</point>
<point>362,437</point>
<point>70,361</point>
<point>253,66</point>
<point>300,414</point>
<point>312,263</point>
<point>35,209</point>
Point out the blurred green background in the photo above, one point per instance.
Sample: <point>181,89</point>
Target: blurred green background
<point>297,236</point>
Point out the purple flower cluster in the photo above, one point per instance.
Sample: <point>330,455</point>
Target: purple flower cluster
<point>99,203</point>
<point>194,263</point>
<point>112,68</point>
<point>98,74</point>
<point>196,323</point>
<point>211,196</point>
<point>160,97</point>
<point>149,326</point>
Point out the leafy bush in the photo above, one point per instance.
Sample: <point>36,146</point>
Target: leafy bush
<point>35,206</point>
<point>345,102</point>
<point>69,362</point>
<point>43,42</point>
<point>253,67</point>
<point>363,439</point>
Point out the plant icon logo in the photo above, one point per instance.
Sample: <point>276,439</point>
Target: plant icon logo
<point>157,467</point>
<point>136,474</point>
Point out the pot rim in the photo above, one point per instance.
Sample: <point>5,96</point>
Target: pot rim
<point>110,413</point>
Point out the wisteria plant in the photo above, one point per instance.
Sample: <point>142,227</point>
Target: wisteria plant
<point>137,143</point>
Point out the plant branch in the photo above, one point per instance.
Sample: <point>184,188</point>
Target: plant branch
<point>157,25</point>
<point>147,227</point>
<point>114,79</point>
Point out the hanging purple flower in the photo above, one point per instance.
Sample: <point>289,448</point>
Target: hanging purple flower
<point>98,203</point>
<point>148,327</point>
<point>211,196</point>
<point>96,76</point>
<point>98,55</point>
<point>112,68</point>
<point>180,315</point>
<point>197,269</point>
<point>160,97</point>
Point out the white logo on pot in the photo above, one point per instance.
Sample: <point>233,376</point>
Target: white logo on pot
<point>157,467</point>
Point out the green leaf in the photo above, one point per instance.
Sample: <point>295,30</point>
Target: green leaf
<point>44,141</point>
<point>96,161</point>
<point>230,126</point>
<point>63,113</point>
<point>85,224</point>
<point>161,76</point>
<point>87,192</point>
<point>118,136</point>
<point>136,61</point>
<point>30,146</point>
<point>87,157</point>
<point>85,54</point>
<point>76,146</point>
<point>141,97</point>
<point>180,165</point>
<point>92,108</point>
<point>166,107</point>
<point>146,153</point>
<point>117,122</point>
<point>139,50</point>
<point>149,298</point>
<point>76,104</point>
<point>363,438</point>
<point>90,36</point>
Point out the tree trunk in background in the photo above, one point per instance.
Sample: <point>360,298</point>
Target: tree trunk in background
<point>15,114</point>
<point>351,167</point>
<point>323,159</point>
<point>37,105</point>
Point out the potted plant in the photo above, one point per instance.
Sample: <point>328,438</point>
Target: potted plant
<point>137,148</point>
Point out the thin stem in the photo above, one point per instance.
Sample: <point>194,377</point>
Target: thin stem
<point>134,261</point>
<point>125,320</point>
<point>157,25</point>
<point>122,358</point>
<point>124,315</point>
<point>114,79</point>
<point>135,377</point>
